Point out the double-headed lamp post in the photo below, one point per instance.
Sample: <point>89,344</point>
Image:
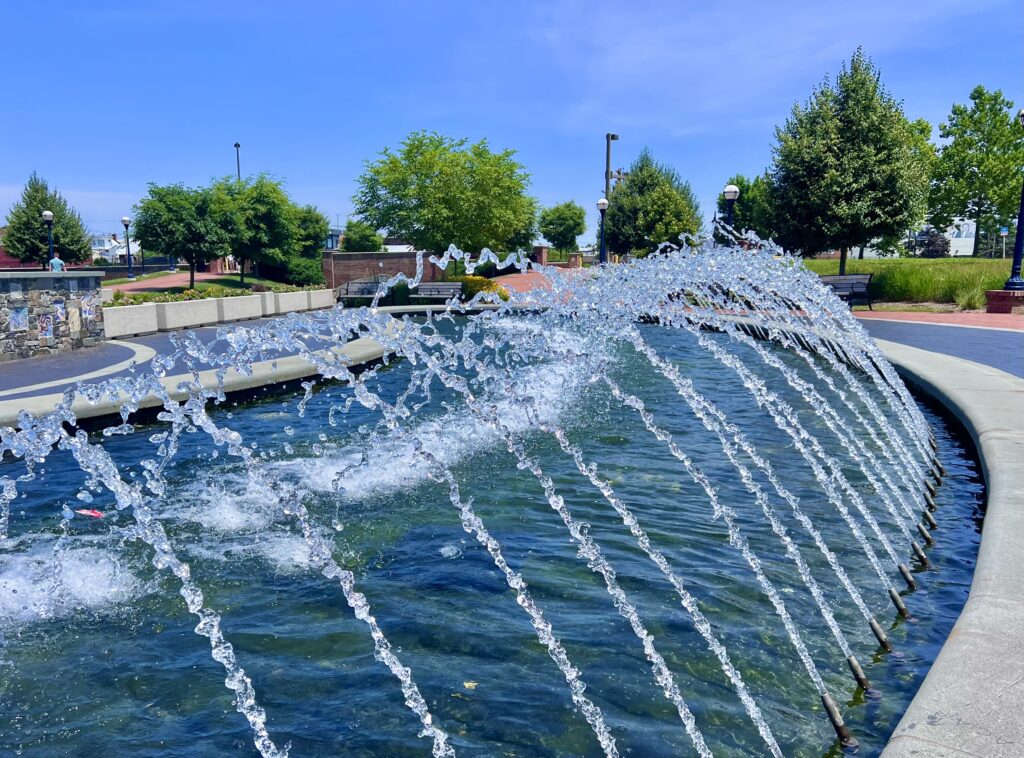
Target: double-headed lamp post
<point>1015,283</point>
<point>128,248</point>
<point>48,220</point>
<point>731,192</point>
<point>602,207</point>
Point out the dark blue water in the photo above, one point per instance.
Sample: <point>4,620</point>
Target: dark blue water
<point>100,657</point>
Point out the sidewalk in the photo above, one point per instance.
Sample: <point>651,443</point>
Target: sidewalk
<point>163,282</point>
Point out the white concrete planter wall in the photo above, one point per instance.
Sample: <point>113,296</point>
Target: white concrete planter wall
<point>129,320</point>
<point>321,299</point>
<point>269,301</point>
<point>292,301</point>
<point>239,308</point>
<point>187,313</point>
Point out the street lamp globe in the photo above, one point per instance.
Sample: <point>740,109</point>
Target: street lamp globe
<point>126,221</point>
<point>602,204</point>
<point>1020,116</point>
<point>48,217</point>
<point>731,192</point>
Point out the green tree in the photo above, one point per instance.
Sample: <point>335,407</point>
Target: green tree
<point>652,205</point>
<point>561,224</point>
<point>753,208</point>
<point>184,223</point>
<point>360,237</point>
<point>302,261</point>
<point>26,237</point>
<point>259,219</point>
<point>977,174</point>
<point>848,167</point>
<point>435,191</point>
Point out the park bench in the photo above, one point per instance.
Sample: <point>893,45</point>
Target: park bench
<point>359,288</point>
<point>442,290</point>
<point>853,289</point>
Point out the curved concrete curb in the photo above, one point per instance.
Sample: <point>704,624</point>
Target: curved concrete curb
<point>972,701</point>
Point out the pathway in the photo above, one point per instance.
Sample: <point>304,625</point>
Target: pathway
<point>163,282</point>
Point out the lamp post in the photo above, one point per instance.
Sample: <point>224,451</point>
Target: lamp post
<point>608,138</point>
<point>238,162</point>
<point>128,250</point>
<point>48,220</point>
<point>602,207</point>
<point>731,192</point>
<point>1015,283</point>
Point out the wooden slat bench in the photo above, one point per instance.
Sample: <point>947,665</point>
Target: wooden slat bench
<point>854,289</point>
<point>442,290</point>
<point>359,288</point>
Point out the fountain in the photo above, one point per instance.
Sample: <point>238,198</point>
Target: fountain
<point>695,476</point>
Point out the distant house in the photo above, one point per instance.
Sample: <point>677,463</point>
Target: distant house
<point>112,249</point>
<point>396,245</point>
<point>334,237</point>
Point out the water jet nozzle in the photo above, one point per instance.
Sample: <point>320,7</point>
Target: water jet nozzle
<point>907,576</point>
<point>925,534</point>
<point>929,501</point>
<point>880,634</point>
<point>929,519</point>
<point>933,443</point>
<point>920,554</point>
<point>898,602</point>
<point>930,487</point>
<point>858,673</point>
<point>842,732</point>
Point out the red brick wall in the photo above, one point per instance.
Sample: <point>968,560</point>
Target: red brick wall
<point>340,268</point>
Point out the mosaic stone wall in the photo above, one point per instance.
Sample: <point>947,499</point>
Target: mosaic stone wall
<point>43,313</point>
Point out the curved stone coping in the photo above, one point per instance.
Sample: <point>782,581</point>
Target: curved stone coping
<point>971,703</point>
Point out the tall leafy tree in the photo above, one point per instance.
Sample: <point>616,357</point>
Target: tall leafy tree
<point>561,224</point>
<point>435,191</point>
<point>184,223</point>
<point>260,221</point>
<point>977,174</point>
<point>848,167</point>
<point>652,205</point>
<point>302,262</point>
<point>26,237</point>
<point>360,237</point>
<point>753,208</point>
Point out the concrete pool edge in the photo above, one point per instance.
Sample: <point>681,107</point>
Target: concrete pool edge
<point>971,703</point>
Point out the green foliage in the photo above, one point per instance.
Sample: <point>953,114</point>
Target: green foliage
<point>472,285</point>
<point>203,292</point>
<point>261,221</point>
<point>185,223</point>
<point>650,206</point>
<point>26,238</point>
<point>753,208</point>
<point>302,261</point>
<point>916,280</point>
<point>561,224</point>
<point>848,166</point>
<point>936,245</point>
<point>977,174</point>
<point>360,237</point>
<point>435,191</point>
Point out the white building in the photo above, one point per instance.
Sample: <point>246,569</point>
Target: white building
<point>109,247</point>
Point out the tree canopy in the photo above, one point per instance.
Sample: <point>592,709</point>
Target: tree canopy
<point>26,238</point>
<point>360,237</point>
<point>261,223</point>
<point>184,223</point>
<point>977,174</point>
<point>302,262</point>
<point>652,205</point>
<point>753,208</point>
<point>848,166</point>
<point>561,224</point>
<point>435,191</point>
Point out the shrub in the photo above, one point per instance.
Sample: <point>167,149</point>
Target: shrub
<point>471,285</point>
<point>101,262</point>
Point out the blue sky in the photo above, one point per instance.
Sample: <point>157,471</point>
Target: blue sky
<point>102,97</point>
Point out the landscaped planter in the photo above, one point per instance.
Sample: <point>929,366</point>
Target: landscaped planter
<point>129,320</point>
<point>239,308</point>
<point>321,299</point>
<point>269,301</point>
<point>292,301</point>
<point>186,314</point>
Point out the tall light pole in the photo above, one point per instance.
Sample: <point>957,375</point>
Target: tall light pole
<point>608,162</point>
<point>1015,283</point>
<point>48,220</point>
<point>731,192</point>
<point>128,248</point>
<point>238,161</point>
<point>602,207</point>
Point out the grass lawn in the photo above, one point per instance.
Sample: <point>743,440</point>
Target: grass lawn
<point>962,281</point>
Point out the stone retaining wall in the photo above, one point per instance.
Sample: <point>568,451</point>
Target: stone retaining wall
<point>47,312</point>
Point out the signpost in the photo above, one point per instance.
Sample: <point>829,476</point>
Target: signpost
<point>1003,232</point>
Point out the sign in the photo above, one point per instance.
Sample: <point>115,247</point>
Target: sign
<point>1003,231</point>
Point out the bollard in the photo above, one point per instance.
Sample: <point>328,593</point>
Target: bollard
<point>929,519</point>
<point>925,535</point>
<point>907,576</point>
<point>898,602</point>
<point>880,635</point>
<point>845,738</point>
<point>920,554</point>
<point>858,673</point>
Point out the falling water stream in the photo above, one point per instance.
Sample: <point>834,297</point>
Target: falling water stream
<point>667,507</point>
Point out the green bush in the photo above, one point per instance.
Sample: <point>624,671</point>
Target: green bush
<point>912,280</point>
<point>471,285</point>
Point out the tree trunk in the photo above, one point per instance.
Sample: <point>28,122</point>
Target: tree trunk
<point>192,274</point>
<point>241,272</point>
<point>843,251</point>
<point>860,255</point>
<point>977,232</point>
